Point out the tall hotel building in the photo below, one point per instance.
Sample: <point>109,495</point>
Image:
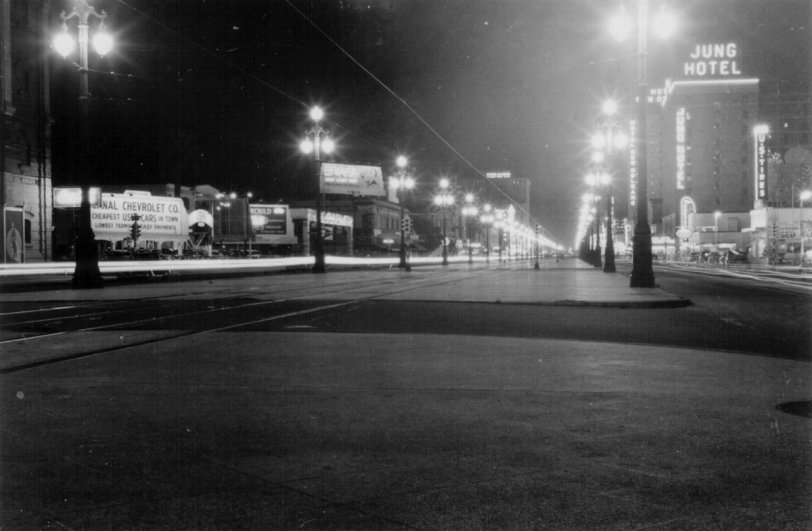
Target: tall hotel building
<point>702,152</point>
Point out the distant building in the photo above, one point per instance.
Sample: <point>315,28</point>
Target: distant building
<point>702,147</point>
<point>374,223</point>
<point>514,190</point>
<point>25,168</point>
<point>705,150</point>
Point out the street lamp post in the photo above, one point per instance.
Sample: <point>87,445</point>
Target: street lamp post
<point>316,146</point>
<point>87,274</point>
<point>536,241</point>
<point>444,200</point>
<point>804,196</point>
<point>500,227</point>
<point>642,267</point>
<point>487,220</point>
<point>404,182</point>
<point>716,216</point>
<point>469,211</point>
<point>611,141</point>
<point>642,271</point>
<point>508,230</point>
<point>597,260</point>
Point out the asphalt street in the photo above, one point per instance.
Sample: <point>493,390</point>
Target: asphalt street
<point>436,399</point>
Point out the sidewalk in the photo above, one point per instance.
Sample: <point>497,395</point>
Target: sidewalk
<point>283,430</point>
<point>569,282</point>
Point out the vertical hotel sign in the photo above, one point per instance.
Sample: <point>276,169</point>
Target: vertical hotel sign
<point>681,148</point>
<point>633,163</point>
<point>761,164</point>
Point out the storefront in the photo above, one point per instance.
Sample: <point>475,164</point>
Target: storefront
<point>336,231</point>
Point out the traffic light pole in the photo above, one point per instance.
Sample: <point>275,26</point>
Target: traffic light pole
<point>404,263</point>
<point>135,231</point>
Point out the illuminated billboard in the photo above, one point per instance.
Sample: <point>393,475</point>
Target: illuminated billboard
<point>72,197</point>
<point>158,216</point>
<point>270,219</point>
<point>347,179</point>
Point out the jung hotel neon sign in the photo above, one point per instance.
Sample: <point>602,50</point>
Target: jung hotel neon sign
<point>712,60</point>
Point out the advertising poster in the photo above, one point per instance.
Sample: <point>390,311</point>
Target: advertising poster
<point>272,224</point>
<point>346,179</point>
<point>269,219</point>
<point>159,216</point>
<point>13,230</point>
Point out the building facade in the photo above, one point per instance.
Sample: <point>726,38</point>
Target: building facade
<point>25,168</point>
<point>706,153</point>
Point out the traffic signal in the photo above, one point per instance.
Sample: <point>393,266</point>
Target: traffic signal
<point>135,231</point>
<point>406,224</point>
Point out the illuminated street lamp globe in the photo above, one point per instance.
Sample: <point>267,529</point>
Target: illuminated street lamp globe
<point>102,41</point>
<point>609,107</point>
<point>316,114</point>
<point>64,43</point>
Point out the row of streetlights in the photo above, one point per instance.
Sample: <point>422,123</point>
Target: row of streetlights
<point>610,137</point>
<point>621,27</point>
<point>317,141</point>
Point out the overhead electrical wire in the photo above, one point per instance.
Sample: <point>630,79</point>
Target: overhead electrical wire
<point>292,98</point>
<point>411,109</point>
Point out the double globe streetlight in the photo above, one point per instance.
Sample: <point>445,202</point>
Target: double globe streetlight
<point>804,196</point>
<point>621,26</point>
<point>469,213</point>
<point>610,138</point>
<point>403,181</point>
<point>87,274</point>
<point>598,180</point>
<point>317,142</point>
<point>487,219</point>
<point>444,200</point>
<point>588,213</point>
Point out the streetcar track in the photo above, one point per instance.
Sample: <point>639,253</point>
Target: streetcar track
<point>233,326</point>
<point>181,299</point>
<point>765,278</point>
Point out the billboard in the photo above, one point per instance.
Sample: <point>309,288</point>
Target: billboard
<point>272,224</point>
<point>498,175</point>
<point>347,179</point>
<point>160,216</point>
<point>72,197</point>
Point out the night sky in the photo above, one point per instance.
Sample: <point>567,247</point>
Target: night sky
<point>216,92</point>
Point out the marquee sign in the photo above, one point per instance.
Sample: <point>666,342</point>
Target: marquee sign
<point>719,59</point>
